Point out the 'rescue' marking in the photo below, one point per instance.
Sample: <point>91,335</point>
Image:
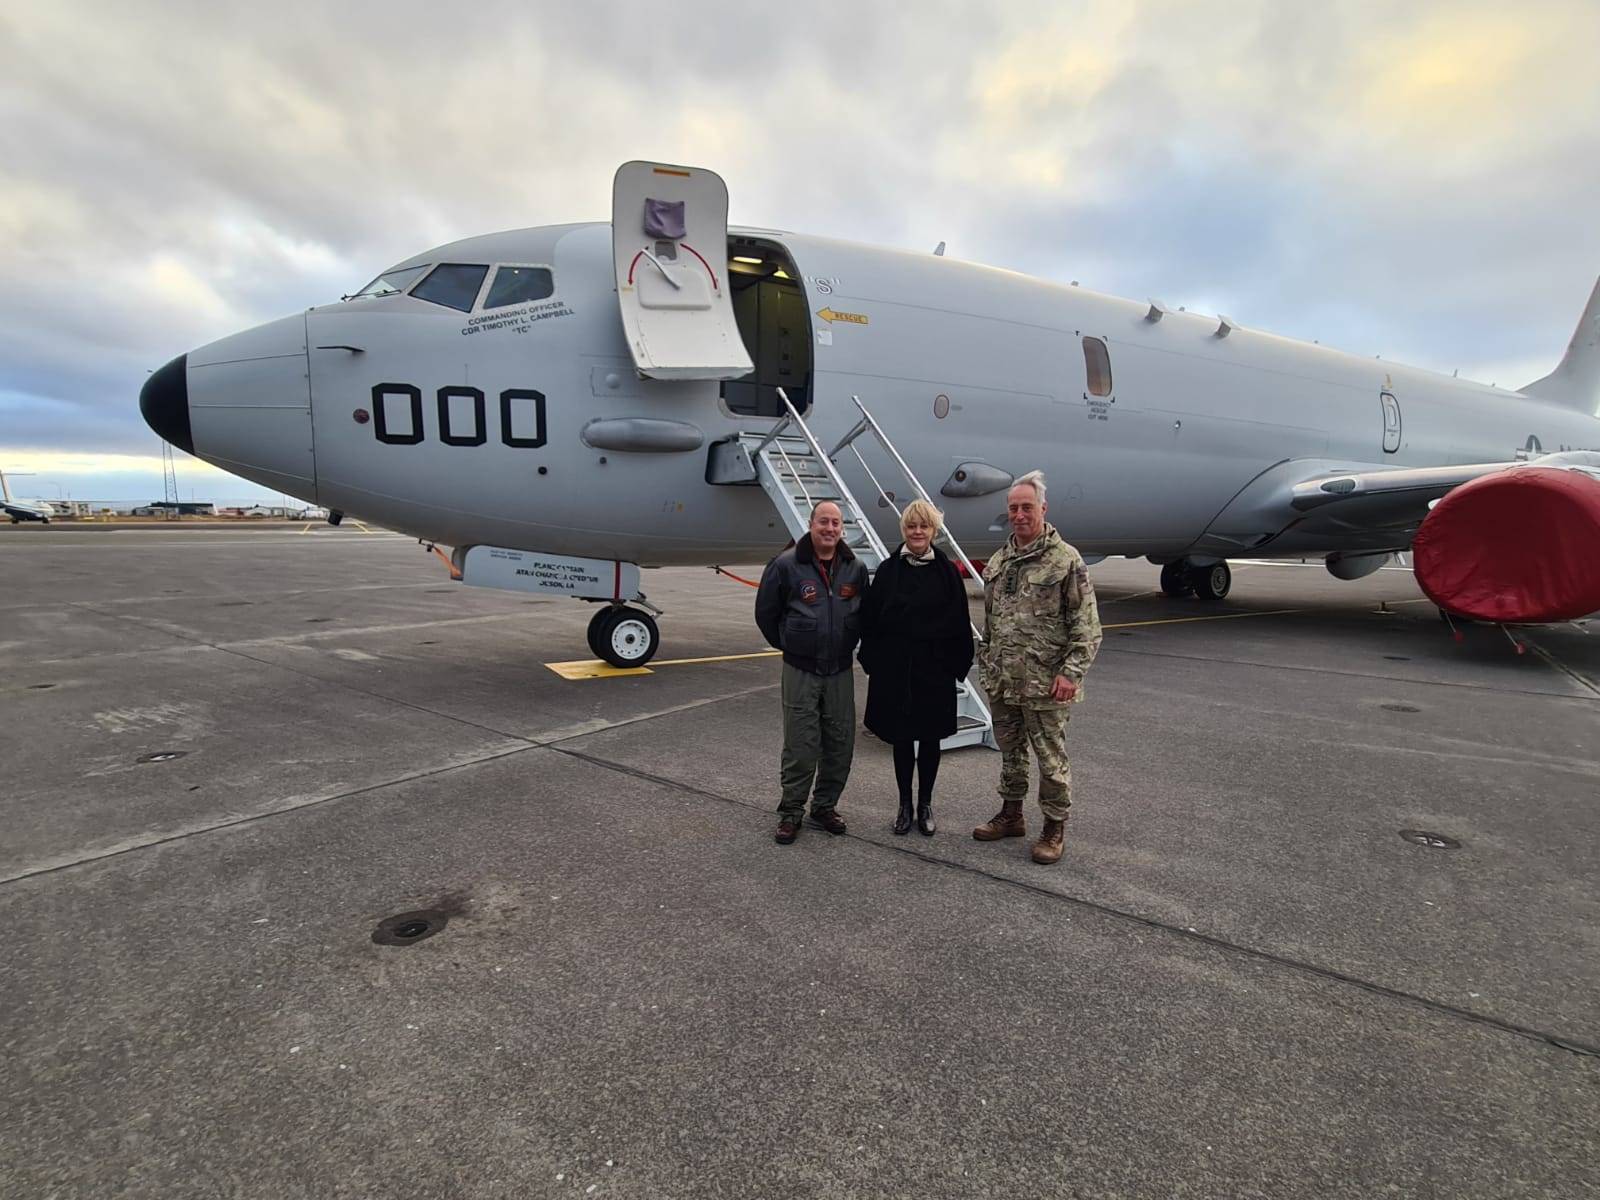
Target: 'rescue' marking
<point>830,315</point>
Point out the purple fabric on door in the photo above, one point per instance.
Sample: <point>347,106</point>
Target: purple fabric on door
<point>663,218</point>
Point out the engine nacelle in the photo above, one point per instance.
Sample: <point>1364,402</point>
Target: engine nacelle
<point>1520,546</point>
<point>1355,566</point>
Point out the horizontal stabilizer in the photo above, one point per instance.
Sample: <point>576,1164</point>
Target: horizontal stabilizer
<point>1576,380</point>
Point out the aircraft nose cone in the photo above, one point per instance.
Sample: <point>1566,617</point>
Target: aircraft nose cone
<point>164,402</point>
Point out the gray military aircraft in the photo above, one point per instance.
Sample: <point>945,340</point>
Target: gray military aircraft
<point>562,405</point>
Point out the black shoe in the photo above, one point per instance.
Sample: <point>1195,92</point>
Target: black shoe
<point>925,825</point>
<point>788,830</point>
<point>902,822</point>
<point>828,819</point>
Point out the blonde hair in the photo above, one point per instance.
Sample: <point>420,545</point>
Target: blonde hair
<point>929,514</point>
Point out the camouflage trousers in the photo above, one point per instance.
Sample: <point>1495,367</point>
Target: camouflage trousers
<point>1046,731</point>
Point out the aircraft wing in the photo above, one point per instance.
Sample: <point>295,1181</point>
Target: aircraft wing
<point>1357,506</point>
<point>1393,493</point>
<point>1401,495</point>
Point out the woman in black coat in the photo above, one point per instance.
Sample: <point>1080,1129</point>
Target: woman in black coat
<point>916,642</point>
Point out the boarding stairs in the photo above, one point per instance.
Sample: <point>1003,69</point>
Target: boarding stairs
<point>797,475</point>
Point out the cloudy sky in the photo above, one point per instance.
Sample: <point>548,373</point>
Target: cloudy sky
<point>1417,181</point>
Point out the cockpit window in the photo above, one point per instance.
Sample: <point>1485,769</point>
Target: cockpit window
<point>389,283</point>
<point>518,285</point>
<point>454,285</point>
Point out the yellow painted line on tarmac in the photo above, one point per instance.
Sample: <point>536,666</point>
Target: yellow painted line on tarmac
<point>678,662</point>
<point>359,525</point>
<point>305,531</point>
<point>1274,612</point>
<point>594,668</point>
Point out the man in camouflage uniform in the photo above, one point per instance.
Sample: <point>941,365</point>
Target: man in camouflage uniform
<point>1041,629</point>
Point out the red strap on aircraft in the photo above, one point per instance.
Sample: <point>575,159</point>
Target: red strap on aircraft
<point>740,578</point>
<point>444,558</point>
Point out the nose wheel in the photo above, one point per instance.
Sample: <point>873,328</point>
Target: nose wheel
<point>624,636</point>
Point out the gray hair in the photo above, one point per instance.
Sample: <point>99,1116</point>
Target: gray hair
<point>1035,480</point>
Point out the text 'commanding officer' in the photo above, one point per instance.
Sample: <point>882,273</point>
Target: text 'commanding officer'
<point>809,607</point>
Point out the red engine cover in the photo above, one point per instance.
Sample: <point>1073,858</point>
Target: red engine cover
<point>1521,545</point>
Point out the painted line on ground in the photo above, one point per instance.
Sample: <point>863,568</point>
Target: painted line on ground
<point>1583,681</point>
<point>594,668</point>
<point>1272,612</point>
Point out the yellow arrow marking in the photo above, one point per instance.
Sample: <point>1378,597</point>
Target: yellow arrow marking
<point>828,314</point>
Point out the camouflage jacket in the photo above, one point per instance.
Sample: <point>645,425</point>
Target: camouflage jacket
<point>1039,621</point>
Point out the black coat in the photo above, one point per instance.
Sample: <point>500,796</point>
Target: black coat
<point>916,642</point>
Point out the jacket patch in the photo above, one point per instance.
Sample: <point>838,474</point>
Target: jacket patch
<point>847,591</point>
<point>809,592</point>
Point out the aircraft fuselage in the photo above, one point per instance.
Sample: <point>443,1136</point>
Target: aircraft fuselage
<point>478,427</point>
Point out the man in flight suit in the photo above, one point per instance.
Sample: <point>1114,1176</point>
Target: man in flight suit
<point>1041,629</point>
<point>808,607</point>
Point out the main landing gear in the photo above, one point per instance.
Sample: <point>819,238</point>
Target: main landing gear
<point>1209,582</point>
<point>623,635</point>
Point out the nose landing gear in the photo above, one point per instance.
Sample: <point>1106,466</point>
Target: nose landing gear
<point>624,636</point>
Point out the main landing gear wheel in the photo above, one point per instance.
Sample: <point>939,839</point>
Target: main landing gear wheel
<point>628,638</point>
<point>1175,579</point>
<point>597,625</point>
<point>1211,583</point>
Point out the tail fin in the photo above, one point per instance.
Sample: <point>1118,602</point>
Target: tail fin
<point>5,488</point>
<point>1576,380</point>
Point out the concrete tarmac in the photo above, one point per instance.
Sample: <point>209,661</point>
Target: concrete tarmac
<point>1239,981</point>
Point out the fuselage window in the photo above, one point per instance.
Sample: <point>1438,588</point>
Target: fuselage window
<point>389,283</point>
<point>454,285</point>
<point>1097,362</point>
<point>518,285</point>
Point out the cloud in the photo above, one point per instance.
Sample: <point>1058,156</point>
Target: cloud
<point>1415,182</point>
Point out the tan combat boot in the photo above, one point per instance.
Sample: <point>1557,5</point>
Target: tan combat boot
<point>1048,848</point>
<point>1006,823</point>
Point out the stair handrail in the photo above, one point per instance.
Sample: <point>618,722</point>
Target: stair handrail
<point>836,478</point>
<point>883,440</point>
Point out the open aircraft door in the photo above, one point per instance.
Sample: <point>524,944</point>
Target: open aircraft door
<point>669,244</point>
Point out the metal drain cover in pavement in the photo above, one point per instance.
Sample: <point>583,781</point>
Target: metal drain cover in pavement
<point>162,756</point>
<point>1434,841</point>
<point>1400,708</point>
<point>409,928</point>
